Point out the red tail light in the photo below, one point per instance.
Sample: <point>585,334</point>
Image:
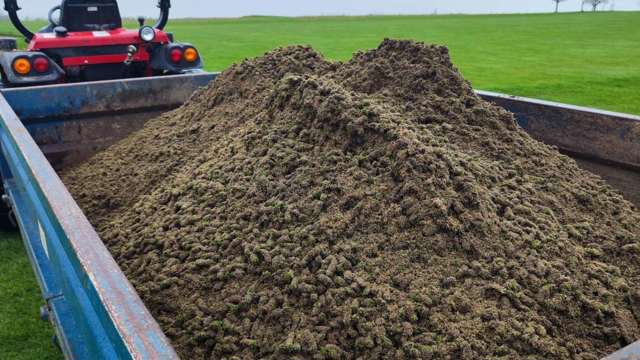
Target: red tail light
<point>41,65</point>
<point>176,55</point>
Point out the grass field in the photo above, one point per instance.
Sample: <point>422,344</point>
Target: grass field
<point>584,59</point>
<point>22,334</point>
<point>579,58</point>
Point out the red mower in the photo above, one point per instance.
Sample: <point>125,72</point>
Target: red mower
<point>85,41</point>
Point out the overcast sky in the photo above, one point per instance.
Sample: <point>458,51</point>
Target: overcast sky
<point>235,8</point>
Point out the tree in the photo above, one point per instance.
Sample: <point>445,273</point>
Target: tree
<point>595,3</point>
<point>558,4</point>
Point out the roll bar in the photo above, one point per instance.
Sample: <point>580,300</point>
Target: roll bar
<point>164,6</point>
<point>11,6</point>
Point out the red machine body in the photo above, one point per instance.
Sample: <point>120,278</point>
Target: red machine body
<point>96,47</point>
<point>88,43</point>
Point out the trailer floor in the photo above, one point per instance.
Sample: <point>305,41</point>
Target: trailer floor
<point>22,334</point>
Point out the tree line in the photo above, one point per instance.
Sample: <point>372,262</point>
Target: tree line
<point>594,4</point>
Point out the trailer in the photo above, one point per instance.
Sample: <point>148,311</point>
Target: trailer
<point>95,311</point>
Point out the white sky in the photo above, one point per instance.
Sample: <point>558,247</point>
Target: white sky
<point>235,8</point>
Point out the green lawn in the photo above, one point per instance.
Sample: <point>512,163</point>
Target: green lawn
<point>22,334</point>
<point>584,59</point>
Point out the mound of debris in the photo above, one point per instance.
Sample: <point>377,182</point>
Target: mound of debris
<point>377,208</point>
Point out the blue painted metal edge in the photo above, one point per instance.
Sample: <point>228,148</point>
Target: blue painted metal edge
<point>97,313</point>
<point>109,96</point>
<point>65,326</point>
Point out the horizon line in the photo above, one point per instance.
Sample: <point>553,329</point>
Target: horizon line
<point>27,18</point>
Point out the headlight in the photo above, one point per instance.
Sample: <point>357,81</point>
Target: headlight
<point>147,33</point>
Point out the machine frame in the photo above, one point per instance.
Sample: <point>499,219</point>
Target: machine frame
<point>96,48</point>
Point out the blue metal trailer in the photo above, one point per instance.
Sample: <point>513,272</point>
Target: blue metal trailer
<point>95,311</point>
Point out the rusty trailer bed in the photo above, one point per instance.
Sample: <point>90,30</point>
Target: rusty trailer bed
<point>94,309</point>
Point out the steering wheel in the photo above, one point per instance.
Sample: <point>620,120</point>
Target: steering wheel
<point>53,11</point>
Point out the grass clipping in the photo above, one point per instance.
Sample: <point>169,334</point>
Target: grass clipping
<point>377,208</point>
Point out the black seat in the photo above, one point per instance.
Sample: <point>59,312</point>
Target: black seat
<point>90,15</point>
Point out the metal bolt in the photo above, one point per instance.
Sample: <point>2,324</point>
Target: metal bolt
<point>44,313</point>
